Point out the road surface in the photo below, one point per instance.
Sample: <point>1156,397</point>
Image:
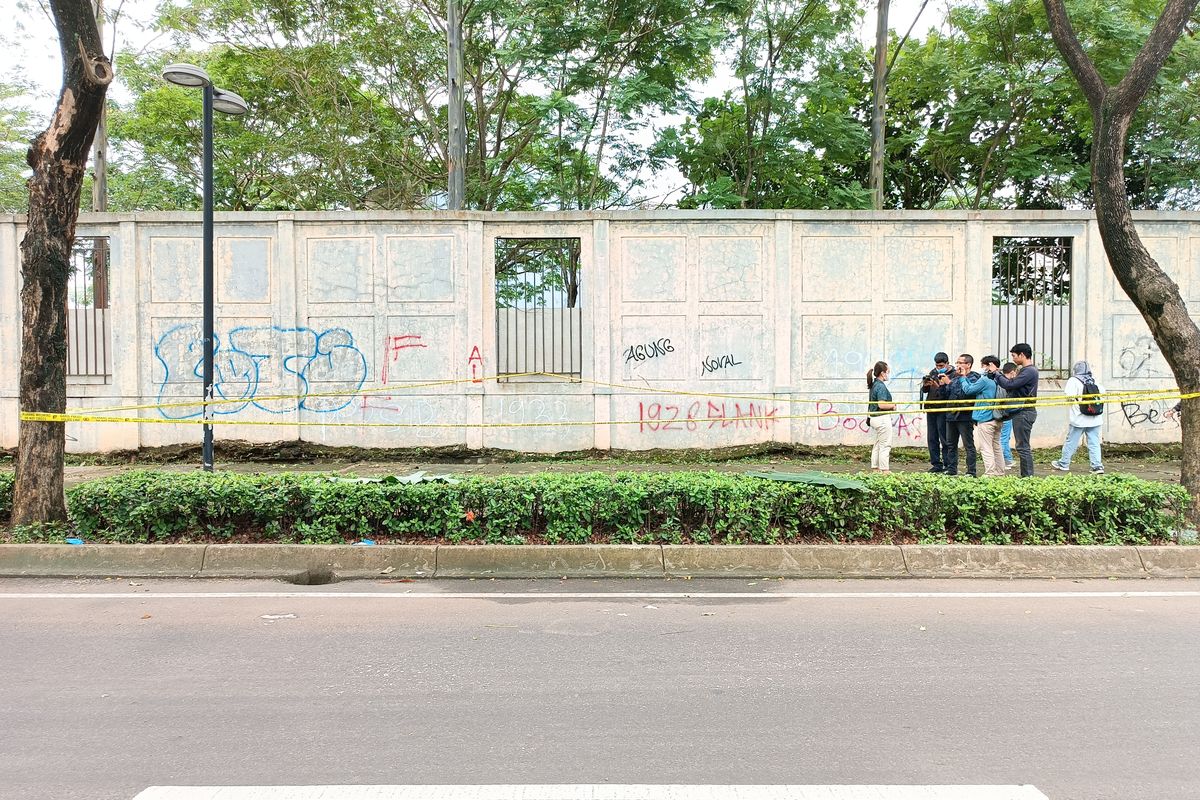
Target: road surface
<point>1082,689</point>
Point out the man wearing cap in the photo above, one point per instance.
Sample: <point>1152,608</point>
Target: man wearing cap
<point>936,433</point>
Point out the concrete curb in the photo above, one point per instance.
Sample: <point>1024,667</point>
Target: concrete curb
<point>784,561</point>
<point>1022,561</point>
<point>101,560</point>
<point>318,563</point>
<point>323,563</point>
<point>550,561</point>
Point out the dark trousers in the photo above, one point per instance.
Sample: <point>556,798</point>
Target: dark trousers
<point>936,436</point>
<point>1022,433</point>
<point>964,430</point>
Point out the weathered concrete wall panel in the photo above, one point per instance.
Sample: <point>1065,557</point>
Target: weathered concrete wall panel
<point>694,329</point>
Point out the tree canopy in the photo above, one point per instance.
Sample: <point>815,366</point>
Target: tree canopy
<point>629,103</point>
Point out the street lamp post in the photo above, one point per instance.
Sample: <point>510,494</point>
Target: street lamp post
<point>227,103</point>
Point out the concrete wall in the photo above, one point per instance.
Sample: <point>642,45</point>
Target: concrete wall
<point>699,329</point>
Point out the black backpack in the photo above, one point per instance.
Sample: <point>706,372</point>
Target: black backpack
<point>1091,406</point>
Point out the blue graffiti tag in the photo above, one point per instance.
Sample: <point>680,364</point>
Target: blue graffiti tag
<point>292,359</point>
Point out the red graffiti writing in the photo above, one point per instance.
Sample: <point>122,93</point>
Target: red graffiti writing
<point>476,362</point>
<point>907,426</point>
<point>706,414</point>
<point>392,345</point>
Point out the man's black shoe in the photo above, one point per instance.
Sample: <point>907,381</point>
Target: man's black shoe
<point>937,470</point>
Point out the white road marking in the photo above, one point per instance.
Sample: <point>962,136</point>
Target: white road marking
<point>425,595</point>
<point>591,792</point>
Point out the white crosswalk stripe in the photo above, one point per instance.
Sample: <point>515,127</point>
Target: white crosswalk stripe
<point>591,792</point>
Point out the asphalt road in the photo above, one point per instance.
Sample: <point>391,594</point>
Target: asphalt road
<point>1088,696</point>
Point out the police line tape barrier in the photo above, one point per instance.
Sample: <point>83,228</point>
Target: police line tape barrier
<point>791,397</point>
<point>100,415</point>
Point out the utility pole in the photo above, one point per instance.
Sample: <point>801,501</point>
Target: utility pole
<point>100,146</point>
<point>457,146</point>
<point>100,188</point>
<point>879,105</point>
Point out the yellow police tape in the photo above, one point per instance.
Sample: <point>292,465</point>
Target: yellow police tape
<point>103,414</point>
<point>398,388</point>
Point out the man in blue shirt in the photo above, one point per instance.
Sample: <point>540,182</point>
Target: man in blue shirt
<point>960,423</point>
<point>1024,384</point>
<point>987,429</point>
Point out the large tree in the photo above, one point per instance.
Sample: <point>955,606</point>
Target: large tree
<point>1152,291</point>
<point>350,101</point>
<point>792,134</point>
<point>58,157</point>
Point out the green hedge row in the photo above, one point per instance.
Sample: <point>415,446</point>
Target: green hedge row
<point>6,496</point>
<point>701,507</point>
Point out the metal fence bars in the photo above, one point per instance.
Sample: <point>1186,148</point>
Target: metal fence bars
<point>87,309</point>
<point>1031,298</point>
<point>539,309</point>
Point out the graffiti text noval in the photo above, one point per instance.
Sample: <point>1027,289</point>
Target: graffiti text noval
<point>289,360</point>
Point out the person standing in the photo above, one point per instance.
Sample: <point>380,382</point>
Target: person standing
<point>1083,420</point>
<point>987,427</point>
<point>935,418</point>
<point>959,423</point>
<point>1023,384</point>
<point>880,401</point>
<point>1009,369</point>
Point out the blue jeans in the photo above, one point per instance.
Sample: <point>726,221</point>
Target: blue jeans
<point>1005,438</point>
<point>1074,434</point>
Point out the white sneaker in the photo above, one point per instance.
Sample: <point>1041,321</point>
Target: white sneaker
<point>1060,466</point>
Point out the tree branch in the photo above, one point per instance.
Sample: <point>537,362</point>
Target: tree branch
<point>1080,65</point>
<point>1150,59</point>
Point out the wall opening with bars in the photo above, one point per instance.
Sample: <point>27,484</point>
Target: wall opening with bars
<point>539,307</point>
<point>87,309</point>
<point>1031,299</point>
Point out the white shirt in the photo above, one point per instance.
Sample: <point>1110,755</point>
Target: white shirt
<point>1077,418</point>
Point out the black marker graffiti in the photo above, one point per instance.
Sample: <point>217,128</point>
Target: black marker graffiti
<point>714,363</point>
<point>1152,413</point>
<point>644,352</point>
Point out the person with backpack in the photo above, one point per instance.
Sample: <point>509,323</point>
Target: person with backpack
<point>1085,418</point>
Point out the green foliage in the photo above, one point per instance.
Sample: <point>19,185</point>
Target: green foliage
<point>7,479</point>
<point>793,134</point>
<point>984,113</point>
<point>348,102</point>
<point>669,507</point>
<point>16,133</point>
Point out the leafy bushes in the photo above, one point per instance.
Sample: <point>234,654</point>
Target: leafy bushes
<point>6,496</point>
<point>662,507</point>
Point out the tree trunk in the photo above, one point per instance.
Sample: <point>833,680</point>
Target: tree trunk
<point>1152,291</point>
<point>58,157</point>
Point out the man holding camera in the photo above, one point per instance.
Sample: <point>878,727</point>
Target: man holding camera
<point>1024,384</point>
<point>936,433</point>
<point>961,423</point>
